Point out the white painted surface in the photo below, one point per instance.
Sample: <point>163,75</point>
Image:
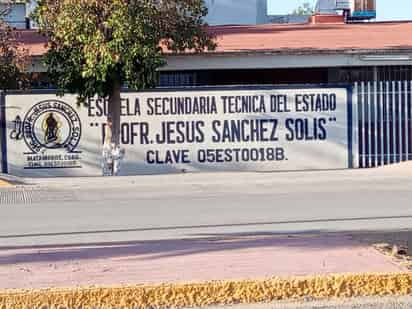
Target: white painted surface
<point>283,142</point>
<point>255,60</point>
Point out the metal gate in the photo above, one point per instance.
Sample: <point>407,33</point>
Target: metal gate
<point>383,123</point>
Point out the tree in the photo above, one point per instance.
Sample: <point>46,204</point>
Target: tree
<point>13,58</point>
<point>306,8</point>
<point>96,46</point>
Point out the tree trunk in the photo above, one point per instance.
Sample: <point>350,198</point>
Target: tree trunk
<point>114,113</point>
<point>111,147</point>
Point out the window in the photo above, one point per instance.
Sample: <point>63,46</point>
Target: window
<point>177,79</point>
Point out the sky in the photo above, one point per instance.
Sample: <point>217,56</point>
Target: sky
<point>386,9</point>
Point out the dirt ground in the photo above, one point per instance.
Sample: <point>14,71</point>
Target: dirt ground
<point>395,244</point>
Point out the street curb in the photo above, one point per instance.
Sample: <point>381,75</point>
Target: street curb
<point>4,183</point>
<point>9,180</point>
<point>212,293</point>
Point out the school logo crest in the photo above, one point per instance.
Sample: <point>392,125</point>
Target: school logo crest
<point>52,124</point>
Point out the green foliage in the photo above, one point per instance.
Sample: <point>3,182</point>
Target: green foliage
<point>95,45</point>
<point>306,8</point>
<point>13,59</point>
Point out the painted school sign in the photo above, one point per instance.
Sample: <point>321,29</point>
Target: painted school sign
<point>229,129</point>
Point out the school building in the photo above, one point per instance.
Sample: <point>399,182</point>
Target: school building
<point>333,47</point>
<point>326,51</point>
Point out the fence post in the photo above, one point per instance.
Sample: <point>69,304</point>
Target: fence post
<point>387,119</point>
<point>350,125</point>
<point>369,137</point>
<point>382,124</point>
<point>3,134</point>
<point>374,125</point>
<point>355,125</point>
<point>405,121</point>
<point>362,129</point>
<point>410,122</point>
<point>399,123</point>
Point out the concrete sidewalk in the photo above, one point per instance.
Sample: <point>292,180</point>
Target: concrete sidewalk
<point>225,179</point>
<point>182,261</point>
<point>397,176</point>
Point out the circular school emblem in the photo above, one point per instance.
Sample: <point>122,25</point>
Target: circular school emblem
<point>52,124</point>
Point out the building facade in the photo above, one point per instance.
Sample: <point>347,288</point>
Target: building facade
<point>17,15</point>
<point>236,12</point>
<point>327,50</point>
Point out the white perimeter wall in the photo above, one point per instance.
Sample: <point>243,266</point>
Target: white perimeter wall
<point>286,136</point>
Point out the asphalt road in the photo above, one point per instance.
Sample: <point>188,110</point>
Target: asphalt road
<point>63,211</point>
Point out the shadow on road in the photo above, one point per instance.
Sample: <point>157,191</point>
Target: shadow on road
<point>314,240</point>
<point>151,250</point>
